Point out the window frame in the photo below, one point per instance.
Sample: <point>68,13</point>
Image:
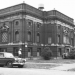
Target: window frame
<point>17,39</point>
<point>29,36</point>
<point>30,22</point>
<point>3,36</point>
<point>38,38</point>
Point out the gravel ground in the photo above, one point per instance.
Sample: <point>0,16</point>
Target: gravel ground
<point>60,61</point>
<point>73,69</point>
<point>47,64</point>
<point>41,66</point>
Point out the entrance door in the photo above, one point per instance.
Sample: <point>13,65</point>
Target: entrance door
<point>15,51</point>
<point>38,51</point>
<point>29,52</point>
<point>59,52</point>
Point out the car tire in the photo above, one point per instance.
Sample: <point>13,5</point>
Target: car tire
<point>1,65</point>
<point>21,66</point>
<point>9,64</point>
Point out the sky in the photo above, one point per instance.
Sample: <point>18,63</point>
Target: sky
<point>66,7</point>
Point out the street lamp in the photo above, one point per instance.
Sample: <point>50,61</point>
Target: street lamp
<point>20,49</point>
<point>25,45</point>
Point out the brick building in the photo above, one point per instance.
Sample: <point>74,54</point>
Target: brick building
<point>30,29</point>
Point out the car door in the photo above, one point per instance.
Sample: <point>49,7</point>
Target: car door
<point>2,58</point>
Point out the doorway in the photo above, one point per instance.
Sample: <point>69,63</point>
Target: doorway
<point>59,52</point>
<point>30,52</point>
<point>38,51</point>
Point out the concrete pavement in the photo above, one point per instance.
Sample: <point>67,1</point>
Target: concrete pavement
<point>60,67</point>
<point>24,71</point>
<point>64,67</point>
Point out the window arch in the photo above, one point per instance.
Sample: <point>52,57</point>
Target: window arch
<point>17,36</point>
<point>30,22</point>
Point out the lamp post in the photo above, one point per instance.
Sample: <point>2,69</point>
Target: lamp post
<point>26,45</point>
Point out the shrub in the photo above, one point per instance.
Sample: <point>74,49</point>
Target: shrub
<point>71,54</point>
<point>47,53</point>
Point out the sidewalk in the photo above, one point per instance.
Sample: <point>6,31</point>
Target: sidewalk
<point>64,67</point>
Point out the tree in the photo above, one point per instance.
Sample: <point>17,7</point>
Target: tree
<point>47,53</point>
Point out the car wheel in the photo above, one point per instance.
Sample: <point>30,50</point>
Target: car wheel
<point>21,66</point>
<point>1,65</point>
<point>9,64</point>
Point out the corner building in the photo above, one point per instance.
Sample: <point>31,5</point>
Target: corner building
<point>30,29</point>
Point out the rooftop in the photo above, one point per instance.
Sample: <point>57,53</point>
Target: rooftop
<point>23,7</point>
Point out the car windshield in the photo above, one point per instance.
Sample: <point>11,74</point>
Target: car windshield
<point>8,55</point>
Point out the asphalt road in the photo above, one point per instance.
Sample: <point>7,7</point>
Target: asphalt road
<point>26,71</point>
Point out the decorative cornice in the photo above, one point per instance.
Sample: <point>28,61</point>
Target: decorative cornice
<point>21,17</point>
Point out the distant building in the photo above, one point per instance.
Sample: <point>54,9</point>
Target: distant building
<point>30,29</point>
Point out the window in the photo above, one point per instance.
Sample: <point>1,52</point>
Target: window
<point>30,22</point>
<point>72,41</point>
<point>17,36</point>
<point>71,34</point>
<point>59,27</point>
<point>38,37</point>
<point>64,39</point>
<point>58,39</point>
<point>49,40</point>
<point>29,36</point>
<point>4,37</point>
<point>16,23</point>
<point>38,25</point>
<point>67,40</point>
<point>8,55</point>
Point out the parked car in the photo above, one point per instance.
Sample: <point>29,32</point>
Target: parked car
<point>9,60</point>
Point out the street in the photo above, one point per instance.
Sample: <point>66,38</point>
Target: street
<point>26,71</point>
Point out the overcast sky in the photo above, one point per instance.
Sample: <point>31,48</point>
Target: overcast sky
<point>67,7</point>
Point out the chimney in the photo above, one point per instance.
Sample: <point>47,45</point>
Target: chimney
<point>41,7</point>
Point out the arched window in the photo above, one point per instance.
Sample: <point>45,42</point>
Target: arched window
<point>16,22</point>
<point>58,38</point>
<point>29,36</point>
<point>30,22</point>
<point>38,25</point>
<point>4,37</point>
<point>38,37</point>
<point>17,36</point>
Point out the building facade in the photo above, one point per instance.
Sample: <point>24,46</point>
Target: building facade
<point>25,27</point>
